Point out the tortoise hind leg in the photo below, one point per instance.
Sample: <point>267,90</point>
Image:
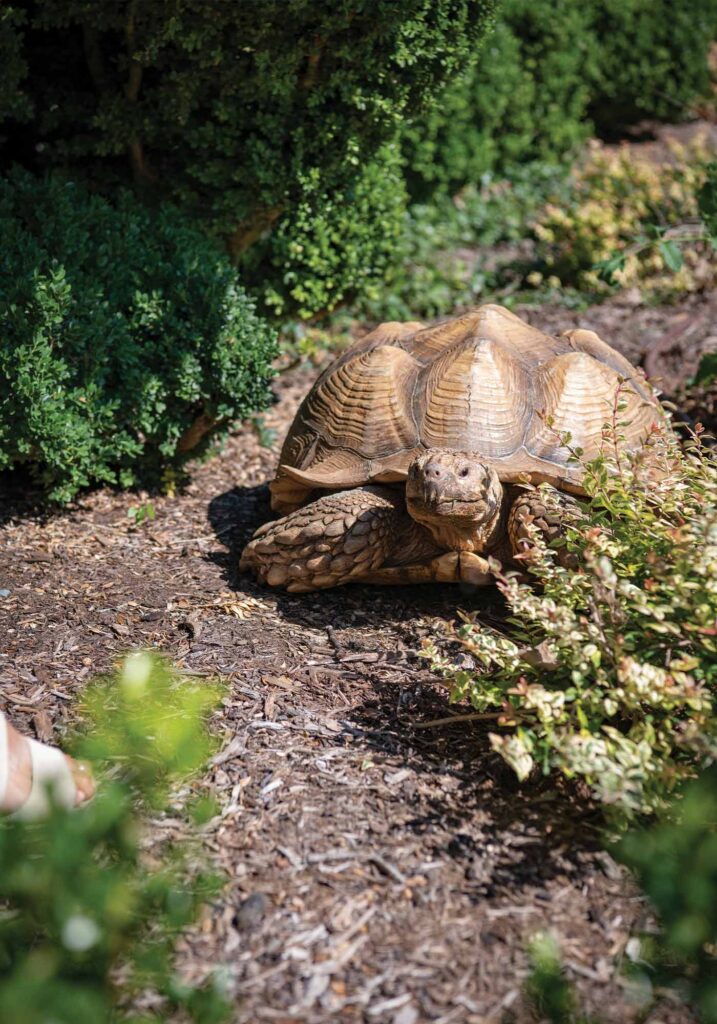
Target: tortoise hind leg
<point>333,540</point>
<point>547,511</point>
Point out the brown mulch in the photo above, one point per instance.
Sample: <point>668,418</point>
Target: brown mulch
<point>378,871</point>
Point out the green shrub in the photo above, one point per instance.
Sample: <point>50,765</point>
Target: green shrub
<point>89,921</point>
<point>651,59</point>
<point>337,245</point>
<point>252,118</point>
<point>619,221</point>
<point>523,99</point>
<point>609,673</point>
<point>127,342</point>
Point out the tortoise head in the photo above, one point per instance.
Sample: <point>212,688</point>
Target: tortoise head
<point>456,496</point>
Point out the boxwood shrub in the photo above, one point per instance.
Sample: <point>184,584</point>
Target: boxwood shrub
<point>336,245</point>
<point>523,98</point>
<point>250,117</point>
<point>652,59</point>
<point>127,342</point>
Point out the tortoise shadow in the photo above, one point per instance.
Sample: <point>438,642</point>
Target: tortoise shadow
<point>505,834</point>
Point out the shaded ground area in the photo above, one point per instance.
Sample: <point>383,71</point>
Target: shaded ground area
<point>381,869</point>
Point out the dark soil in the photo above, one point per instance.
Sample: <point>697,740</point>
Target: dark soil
<point>381,868</point>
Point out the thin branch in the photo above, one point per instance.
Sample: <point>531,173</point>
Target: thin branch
<point>484,716</point>
<point>195,432</point>
<point>141,172</point>
<point>671,235</point>
<point>251,229</point>
<point>312,71</point>
<point>311,75</point>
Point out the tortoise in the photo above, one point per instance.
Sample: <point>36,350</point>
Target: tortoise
<point>417,453</point>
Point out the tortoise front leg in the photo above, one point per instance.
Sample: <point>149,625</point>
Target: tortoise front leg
<point>550,512</point>
<point>333,540</point>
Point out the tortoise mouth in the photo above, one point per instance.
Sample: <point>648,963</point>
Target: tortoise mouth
<point>449,507</point>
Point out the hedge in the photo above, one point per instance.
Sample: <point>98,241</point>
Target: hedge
<point>231,110</point>
<point>127,343</point>
<point>336,245</point>
<point>524,98</point>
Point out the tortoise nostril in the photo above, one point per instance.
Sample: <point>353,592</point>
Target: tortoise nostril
<point>464,472</point>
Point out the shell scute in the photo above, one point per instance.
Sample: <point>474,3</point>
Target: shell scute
<point>576,394</point>
<point>588,341</point>
<point>365,405</point>
<point>425,345</point>
<point>470,399</point>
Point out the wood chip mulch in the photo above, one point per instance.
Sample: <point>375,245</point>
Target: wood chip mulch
<point>377,871</point>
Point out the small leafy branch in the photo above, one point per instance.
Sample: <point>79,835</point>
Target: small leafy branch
<point>138,514</point>
<point>666,241</point>
<point>634,222</point>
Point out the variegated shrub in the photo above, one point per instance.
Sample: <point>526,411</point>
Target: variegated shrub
<point>609,672</point>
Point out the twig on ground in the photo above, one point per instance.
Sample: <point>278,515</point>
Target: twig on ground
<point>482,716</point>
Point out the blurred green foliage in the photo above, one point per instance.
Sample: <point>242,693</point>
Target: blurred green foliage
<point>547,989</point>
<point>90,916</point>
<point>552,72</point>
<point>707,201</point>
<point>523,98</point>
<point>454,251</point>
<point>127,341</point>
<point>651,59</point>
<point>630,220</point>
<point>676,865</point>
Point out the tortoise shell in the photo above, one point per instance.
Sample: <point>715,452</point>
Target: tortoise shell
<point>485,382</point>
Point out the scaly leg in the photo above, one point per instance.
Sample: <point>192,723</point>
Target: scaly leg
<point>547,510</point>
<point>333,540</point>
